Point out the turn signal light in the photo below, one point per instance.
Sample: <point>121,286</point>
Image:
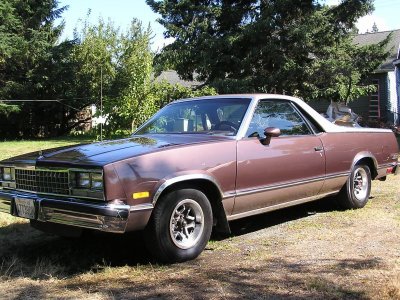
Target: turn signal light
<point>140,195</point>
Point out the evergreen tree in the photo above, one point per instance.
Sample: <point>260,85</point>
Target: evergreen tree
<point>28,38</point>
<point>297,47</point>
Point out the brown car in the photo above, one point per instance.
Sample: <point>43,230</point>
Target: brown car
<point>196,164</point>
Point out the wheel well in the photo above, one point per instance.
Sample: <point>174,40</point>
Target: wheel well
<point>214,196</point>
<point>370,163</point>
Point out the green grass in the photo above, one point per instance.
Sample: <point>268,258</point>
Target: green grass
<point>13,148</point>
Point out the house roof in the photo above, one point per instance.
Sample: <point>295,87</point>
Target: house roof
<point>172,77</point>
<point>376,37</point>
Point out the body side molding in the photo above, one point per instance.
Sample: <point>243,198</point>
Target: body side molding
<point>279,206</point>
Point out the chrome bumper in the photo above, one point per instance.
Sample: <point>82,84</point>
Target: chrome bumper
<point>74,212</point>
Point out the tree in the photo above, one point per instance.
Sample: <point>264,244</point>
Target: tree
<point>130,92</point>
<point>298,47</point>
<point>28,50</point>
<point>135,101</point>
<point>164,92</point>
<point>34,65</point>
<point>122,63</point>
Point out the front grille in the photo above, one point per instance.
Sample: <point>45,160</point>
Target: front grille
<point>42,181</point>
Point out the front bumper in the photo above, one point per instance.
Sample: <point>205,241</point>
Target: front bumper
<point>75,212</point>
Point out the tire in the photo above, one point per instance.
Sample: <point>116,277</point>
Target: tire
<point>180,226</point>
<point>355,193</point>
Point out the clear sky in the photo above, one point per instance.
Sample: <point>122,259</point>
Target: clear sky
<point>121,12</point>
<point>386,16</point>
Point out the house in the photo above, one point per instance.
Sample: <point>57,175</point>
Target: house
<point>384,104</point>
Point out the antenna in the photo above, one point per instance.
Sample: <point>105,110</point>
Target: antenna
<point>101,103</point>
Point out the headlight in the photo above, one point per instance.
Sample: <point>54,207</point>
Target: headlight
<point>7,174</point>
<point>83,180</point>
<point>88,180</point>
<point>97,181</point>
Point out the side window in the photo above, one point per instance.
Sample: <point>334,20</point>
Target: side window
<point>280,114</point>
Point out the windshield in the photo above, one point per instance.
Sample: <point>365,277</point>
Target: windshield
<point>208,116</point>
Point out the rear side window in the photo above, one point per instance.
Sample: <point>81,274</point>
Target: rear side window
<point>311,122</point>
<point>279,114</point>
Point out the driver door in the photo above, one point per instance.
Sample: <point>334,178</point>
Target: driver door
<point>290,168</point>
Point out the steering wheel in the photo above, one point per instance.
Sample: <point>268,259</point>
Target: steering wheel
<point>226,124</point>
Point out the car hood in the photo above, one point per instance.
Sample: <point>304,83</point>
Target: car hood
<point>101,153</point>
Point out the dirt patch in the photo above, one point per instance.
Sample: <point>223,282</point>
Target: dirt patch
<point>310,251</point>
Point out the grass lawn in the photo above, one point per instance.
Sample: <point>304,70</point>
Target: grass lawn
<point>311,251</point>
<point>13,148</point>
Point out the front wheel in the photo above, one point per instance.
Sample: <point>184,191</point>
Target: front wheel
<point>180,226</point>
<point>356,192</point>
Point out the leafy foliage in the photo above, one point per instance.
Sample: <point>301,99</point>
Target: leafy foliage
<point>165,92</point>
<point>298,47</point>
<point>120,65</point>
<point>130,93</point>
<point>101,59</point>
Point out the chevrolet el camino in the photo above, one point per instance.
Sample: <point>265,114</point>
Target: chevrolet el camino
<point>198,164</point>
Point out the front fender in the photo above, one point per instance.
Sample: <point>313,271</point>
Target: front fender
<point>183,177</point>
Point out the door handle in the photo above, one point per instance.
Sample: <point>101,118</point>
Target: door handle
<point>318,148</point>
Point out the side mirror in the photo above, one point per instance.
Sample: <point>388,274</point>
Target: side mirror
<point>270,132</point>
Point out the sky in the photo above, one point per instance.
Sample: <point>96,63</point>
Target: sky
<point>121,12</point>
<point>386,16</point>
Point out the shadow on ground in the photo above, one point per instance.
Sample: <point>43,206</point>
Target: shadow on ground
<point>258,222</point>
<point>38,253</point>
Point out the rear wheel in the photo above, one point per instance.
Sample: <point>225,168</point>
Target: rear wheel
<point>356,192</point>
<point>180,226</point>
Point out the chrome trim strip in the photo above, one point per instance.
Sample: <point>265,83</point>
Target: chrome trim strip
<point>72,218</point>
<point>104,217</point>
<point>99,170</point>
<point>247,118</point>
<point>336,175</point>
<point>362,155</point>
<point>77,218</point>
<point>58,170</point>
<point>278,206</point>
<point>144,206</point>
<point>56,195</point>
<point>389,165</point>
<point>289,184</point>
<point>182,178</point>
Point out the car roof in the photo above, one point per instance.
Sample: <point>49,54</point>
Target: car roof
<point>238,96</point>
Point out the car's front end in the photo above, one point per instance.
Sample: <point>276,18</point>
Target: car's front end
<point>53,192</point>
